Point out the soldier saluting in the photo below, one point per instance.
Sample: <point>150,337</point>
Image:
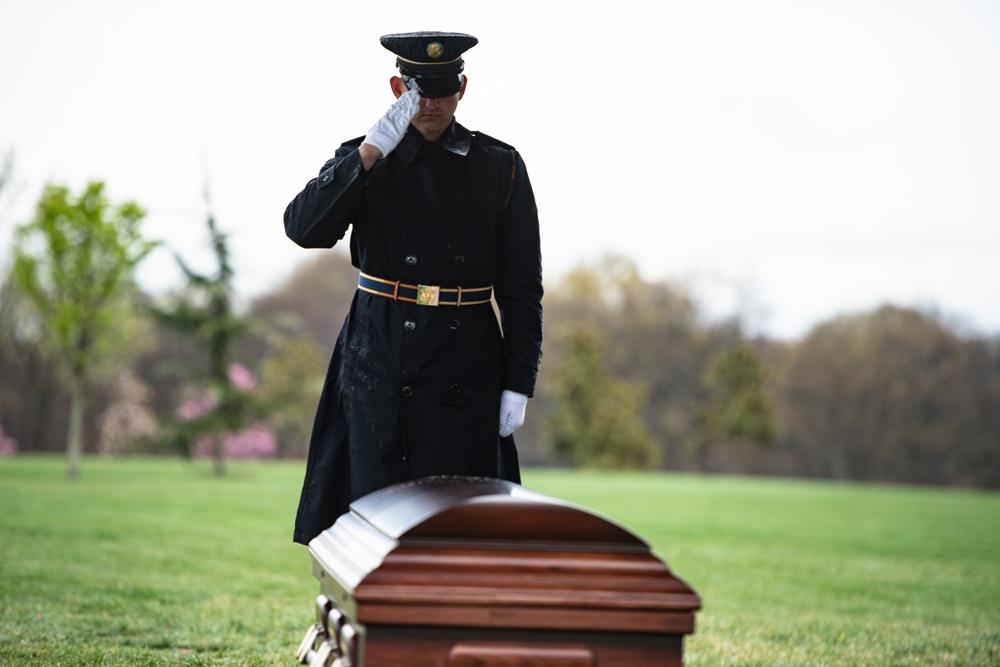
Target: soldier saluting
<point>442,219</point>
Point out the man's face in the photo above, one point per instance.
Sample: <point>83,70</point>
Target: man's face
<point>435,114</point>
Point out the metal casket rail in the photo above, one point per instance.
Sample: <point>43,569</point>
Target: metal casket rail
<point>475,572</point>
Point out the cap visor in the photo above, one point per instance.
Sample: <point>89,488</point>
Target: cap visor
<point>439,87</point>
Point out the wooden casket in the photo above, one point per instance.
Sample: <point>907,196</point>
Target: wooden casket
<point>475,572</point>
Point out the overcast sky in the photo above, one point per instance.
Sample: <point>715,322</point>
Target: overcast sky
<point>793,159</point>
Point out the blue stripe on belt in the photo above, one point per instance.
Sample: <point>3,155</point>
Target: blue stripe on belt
<point>425,295</point>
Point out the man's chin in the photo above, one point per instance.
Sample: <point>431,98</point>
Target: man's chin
<point>432,126</point>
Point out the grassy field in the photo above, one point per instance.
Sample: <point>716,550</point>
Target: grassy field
<point>157,562</point>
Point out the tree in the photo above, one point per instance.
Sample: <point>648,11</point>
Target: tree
<point>73,263</point>
<point>894,395</point>
<point>314,300</point>
<point>656,337</point>
<point>593,419</point>
<point>738,409</point>
<point>128,419</point>
<point>23,366</point>
<point>205,310</point>
<point>291,382</point>
<point>303,316</point>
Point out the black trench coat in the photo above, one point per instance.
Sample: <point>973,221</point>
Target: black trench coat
<point>414,390</point>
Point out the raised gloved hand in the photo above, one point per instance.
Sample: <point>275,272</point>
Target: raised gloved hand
<point>386,134</point>
<point>512,405</point>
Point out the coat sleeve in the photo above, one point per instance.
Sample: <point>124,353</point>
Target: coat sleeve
<point>319,216</point>
<point>518,287</point>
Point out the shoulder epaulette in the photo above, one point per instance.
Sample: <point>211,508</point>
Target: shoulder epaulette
<point>482,136</point>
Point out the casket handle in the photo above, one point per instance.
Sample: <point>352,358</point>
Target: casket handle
<point>485,654</point>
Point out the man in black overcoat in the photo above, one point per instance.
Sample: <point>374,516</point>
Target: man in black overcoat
<point>442,220</point>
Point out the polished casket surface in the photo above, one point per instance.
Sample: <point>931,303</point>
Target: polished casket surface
<point>471,571</point>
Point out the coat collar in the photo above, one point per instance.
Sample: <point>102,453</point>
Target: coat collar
<point>456,139</point>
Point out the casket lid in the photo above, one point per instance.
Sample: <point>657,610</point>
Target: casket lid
<point>463,551</point>
<point>480,508</point>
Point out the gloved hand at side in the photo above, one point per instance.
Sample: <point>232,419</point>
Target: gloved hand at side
<point>386,134</point>
<point>512,405</point>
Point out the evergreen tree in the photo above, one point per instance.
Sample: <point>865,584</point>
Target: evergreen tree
<point>205,310</point>
<point>594,420</point>
<point>738,409</point>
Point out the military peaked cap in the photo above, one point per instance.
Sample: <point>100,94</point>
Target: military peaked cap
<point>430,60</point>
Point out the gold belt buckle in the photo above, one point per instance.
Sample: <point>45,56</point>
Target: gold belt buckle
<point>428,295</point>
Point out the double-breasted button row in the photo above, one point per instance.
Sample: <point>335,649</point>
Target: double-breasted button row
<point>410,325</point>
<point>412,259</point>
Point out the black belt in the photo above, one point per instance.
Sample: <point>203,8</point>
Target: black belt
<point>425,295</point>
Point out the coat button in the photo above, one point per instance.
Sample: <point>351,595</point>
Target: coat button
<point>407,391</point>
<point>456,389</point>
<point>410,259</point>
<point>409,325</point>
<point>454,324</point>
<point>460,259</point>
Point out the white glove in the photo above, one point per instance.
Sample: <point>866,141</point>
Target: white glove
<point>386,134</point>
<point>512,405</point>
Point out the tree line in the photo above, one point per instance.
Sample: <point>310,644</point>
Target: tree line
<point>634,375</point>
<point>894,394</point>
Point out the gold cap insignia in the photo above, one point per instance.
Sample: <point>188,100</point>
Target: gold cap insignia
<point>435,50</point>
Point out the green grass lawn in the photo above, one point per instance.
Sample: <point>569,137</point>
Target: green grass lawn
<point>157,562</point>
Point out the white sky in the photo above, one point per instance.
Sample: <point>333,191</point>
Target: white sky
<point>796,159</point>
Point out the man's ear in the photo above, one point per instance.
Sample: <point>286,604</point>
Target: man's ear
<point>461,91</point>
<point>397,85</point>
